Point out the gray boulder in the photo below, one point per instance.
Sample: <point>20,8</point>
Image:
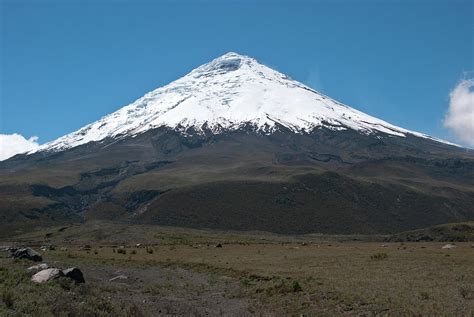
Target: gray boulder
<point>74,274</point>
<point>118,277</point>
<point>46,275</point>
<point>38,267</point>
<point>448,246</point>
<point>25,253</point>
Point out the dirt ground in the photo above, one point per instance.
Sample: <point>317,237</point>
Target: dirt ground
<point>168,291</point>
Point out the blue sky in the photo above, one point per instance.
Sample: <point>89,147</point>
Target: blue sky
<point>67,63</point>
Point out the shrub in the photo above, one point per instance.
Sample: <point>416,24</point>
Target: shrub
<point>65,283</point>
<point>121,251</point>
<point>378,256</point>
<point>296,287</point>
<point>8,299</point>
<point>466,291</point>
<point>134,252</point>
<point>149,250</point>
<point>275,286</point>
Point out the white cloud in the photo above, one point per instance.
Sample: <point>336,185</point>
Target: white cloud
<point>460,116</point>
<point>12,144</point>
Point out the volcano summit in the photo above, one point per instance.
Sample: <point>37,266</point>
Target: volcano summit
<point>226,94</point>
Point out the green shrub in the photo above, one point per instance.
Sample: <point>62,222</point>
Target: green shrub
<point>8,298</point>
<point>466,291</point>
<point>296,287</point>
<point>379,256</point>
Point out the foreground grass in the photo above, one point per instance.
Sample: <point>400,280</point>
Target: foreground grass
<point>20,297</point>
<point>270,275</point>
<point>337,279</point>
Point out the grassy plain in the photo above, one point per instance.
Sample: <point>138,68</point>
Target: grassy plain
<point>198,272</point>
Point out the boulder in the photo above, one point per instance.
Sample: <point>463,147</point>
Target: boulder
<point>38,267</point>
<point>118,277</point>
<point>85,247</point>
<point>448,246</point>
<point>46,275</point>
<point>26,253</point>
<point>74,274</point>
<point>47,248</point>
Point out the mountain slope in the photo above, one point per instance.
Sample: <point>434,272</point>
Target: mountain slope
<point>236,145</point>
<point>230,92</point>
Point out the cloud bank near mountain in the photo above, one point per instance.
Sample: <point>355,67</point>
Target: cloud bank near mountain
<point>460,116</point>
<point>12,144</point>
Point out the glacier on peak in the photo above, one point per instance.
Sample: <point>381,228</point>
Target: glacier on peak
<point>225,94</point>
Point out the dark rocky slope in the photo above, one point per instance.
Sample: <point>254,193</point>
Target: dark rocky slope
<point>324,181</point>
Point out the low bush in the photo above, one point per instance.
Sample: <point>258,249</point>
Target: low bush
<point>379,256</point>
<point>466,291</point>
<point>8,299</point>
<point>296,287</point>
<point>121,251</point>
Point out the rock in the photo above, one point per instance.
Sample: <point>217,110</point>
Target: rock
<point>85,247</point>
<point>74,274</point>
<point>138,245</point>
<point>219,245</point>
<point>304,244</point>
<point>47,248</point>
<point>38,267</point>
<point>46,275</point>
<point>25,253</point>
<point>118,277</point>
<point>448,246</point>
<point>63,249</point>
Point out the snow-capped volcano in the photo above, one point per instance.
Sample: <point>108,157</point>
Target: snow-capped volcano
<point>235,145</point>
<point>229,92</point>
